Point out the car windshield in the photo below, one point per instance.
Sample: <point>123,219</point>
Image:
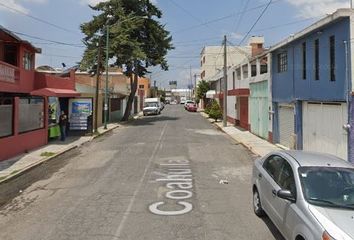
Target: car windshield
<point>328,186</point>
<point>150,104</point>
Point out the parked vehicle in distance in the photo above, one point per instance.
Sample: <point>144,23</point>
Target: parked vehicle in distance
<point>183,100</point>
<point>152,106</point>
<point>191,107</point>
<point>306,195</point>
<point>174,102</point>
<point>187,102</point>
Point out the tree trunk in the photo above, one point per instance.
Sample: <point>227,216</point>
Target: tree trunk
<point>133,88</point>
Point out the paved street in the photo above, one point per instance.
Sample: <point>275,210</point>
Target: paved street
<point>157,178</point>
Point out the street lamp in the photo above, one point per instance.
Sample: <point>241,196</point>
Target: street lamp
<point>107,55</point>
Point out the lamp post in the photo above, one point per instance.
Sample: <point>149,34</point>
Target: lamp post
<point>106,83</point>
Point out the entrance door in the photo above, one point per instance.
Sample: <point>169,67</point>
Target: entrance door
<point>323,128</point>
<point>244,112</point>
<point>286,126</point>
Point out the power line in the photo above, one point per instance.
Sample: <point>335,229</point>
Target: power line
<point>241,16</point>
<point>39,19</point>
<point>259,17</point>
<point>224,17</point>
<point>51,41</point>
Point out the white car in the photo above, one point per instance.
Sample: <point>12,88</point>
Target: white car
<point>151,108</point>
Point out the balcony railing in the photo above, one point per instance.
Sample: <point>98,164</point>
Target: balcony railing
<point>9,73</point>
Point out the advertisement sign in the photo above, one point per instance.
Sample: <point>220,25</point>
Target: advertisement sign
<point>79,111</point>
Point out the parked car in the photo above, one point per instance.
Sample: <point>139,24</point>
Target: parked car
<point>191,107</point>
<point>151,108</point>
<point>187,102</point>
<point>306,195</point>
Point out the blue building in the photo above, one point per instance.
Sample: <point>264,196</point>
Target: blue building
<point>312,87</point>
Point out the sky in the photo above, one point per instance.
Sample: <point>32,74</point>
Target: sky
<point>193,24</point>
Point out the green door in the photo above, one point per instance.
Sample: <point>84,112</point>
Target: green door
<point>259,109</point>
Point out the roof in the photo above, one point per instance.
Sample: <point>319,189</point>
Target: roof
<point>340,13</point>
<point>17,38</point>
<point>308,159</point>
<point>55,92</point>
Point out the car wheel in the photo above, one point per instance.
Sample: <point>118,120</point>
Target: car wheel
<point>257,206</point>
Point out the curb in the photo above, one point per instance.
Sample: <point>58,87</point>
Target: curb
<point>242,143</point>
<point>10,177</point>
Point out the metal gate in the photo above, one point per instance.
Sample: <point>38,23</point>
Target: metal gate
<point>286,126</point>
<point>323,128</point>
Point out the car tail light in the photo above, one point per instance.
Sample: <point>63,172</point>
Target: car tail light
<point>326,236</point>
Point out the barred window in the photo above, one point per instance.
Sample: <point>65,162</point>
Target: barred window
<point>282,62</point>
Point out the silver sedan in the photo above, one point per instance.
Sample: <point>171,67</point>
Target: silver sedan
<point>306,195</point>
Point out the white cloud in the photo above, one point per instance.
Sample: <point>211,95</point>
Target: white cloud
<point>315,8</point>
<point>17,5</point>
<point>236,36</point>
<point>92,2</point>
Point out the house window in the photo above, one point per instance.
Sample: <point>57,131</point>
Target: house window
<point>233,80</point>
<point>204,59</point>
<point>304,60</point>
<point>253,69</point>
<point>317,59</point>
<point>238,73</point>
<point>264,65</point>
<point>28,61</point>
<point>332,58</point>
<point>10,54</point>
<point>141,86</point>
<point>282,62</point>
<point>31,114</point>
<point>245,71</point>
<point>6,116</point>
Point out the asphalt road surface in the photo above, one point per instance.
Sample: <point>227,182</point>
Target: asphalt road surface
<point>160,177</point>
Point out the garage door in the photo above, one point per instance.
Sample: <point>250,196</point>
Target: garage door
<point>323,128</point>
<point>286,126</point>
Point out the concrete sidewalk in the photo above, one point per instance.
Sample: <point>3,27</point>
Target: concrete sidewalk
<point>255,144</point>
<point>15,166</point>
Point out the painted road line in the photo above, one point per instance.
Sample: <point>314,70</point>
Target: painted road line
<point>132,200</point>
<point>179,180</point>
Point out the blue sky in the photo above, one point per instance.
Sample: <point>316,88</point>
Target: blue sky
<point>192,23</point>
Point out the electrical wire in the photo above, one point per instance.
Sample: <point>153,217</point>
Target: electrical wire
<point>39,19</point>
<point>255,23</point>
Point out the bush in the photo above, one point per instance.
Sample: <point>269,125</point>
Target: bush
<point>207,108</point>
<point>215,111</point>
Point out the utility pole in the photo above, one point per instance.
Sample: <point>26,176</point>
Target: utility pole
<point>106,84</point>
<point>190,82</point>
<point>99,59</point>
<point>195,86</point>
<point>351,4</point>
<point>225,83</point>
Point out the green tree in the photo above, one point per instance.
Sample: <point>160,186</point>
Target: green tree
<point>202,88</point>
<point>215,111</point>
<point>137,39</point>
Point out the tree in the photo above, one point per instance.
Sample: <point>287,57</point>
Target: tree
<point>202,88</point>
<point>215,111</point>
<point>137,39</point>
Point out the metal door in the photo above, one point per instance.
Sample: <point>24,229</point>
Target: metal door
<point>323,128</point>
<point>286,126</point>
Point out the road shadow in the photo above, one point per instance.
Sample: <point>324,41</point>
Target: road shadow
<point>272,228</point>
<point>151,120</point>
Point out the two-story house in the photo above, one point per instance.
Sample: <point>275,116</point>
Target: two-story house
<point>312,85</point>
<point>24,96</point>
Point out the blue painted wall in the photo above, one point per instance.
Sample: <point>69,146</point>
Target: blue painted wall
<point>289,86</point>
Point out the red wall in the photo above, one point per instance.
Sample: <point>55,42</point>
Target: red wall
<point>50,81</point>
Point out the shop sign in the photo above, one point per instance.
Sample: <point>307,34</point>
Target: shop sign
<point>79,111</point>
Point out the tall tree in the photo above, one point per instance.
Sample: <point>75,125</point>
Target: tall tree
<point>137,39</point>
<point>202,88</point>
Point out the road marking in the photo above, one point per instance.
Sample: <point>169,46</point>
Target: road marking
<point>179,182</point>
<point>132,200</point>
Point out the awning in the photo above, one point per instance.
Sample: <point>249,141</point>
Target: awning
<point>210,94</point>
<point>55,92</point>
